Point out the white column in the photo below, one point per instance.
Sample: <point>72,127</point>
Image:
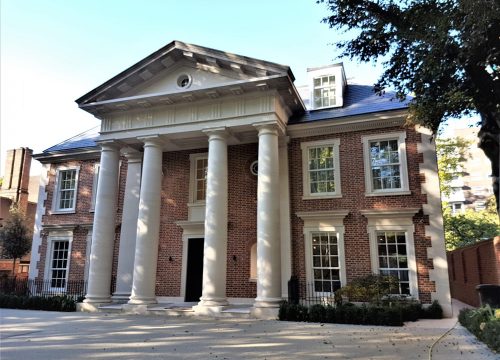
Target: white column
<point>268,220</point>
<point>148,225</point>
<point>126,254</point>
<point>103,236</point>
<point>215,251</point>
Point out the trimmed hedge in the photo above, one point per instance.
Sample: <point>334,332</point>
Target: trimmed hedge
<point>349,313</point>
<point>484,323</point>
<point>53,303</point>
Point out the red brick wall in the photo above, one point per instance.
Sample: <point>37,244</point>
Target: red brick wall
<point>473,265</point>
<point>357,247</point>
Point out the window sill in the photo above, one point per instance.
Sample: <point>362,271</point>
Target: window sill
<point>315,197</point>
<point>252,280</point>
<point>196,204</point>
<point>389,193</point>
<point>60,212</point>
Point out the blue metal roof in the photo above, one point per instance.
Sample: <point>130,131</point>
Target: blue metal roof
<point>84,140</point>
<point>358,100</point>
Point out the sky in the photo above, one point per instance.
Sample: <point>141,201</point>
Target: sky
<point>54,51</point>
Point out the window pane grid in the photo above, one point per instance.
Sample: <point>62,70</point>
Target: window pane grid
<point>59,263</point>
<point>201,179</point>
<point>393,258</point>
<point>321,170</point>
<point>67,189</point>
<point>326,268</point>
<point>385,164</point>
<point>324,91</point>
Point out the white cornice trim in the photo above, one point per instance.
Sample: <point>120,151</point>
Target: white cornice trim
<point>323,214</point>
<point>389,213</point>
<point>347,124</point>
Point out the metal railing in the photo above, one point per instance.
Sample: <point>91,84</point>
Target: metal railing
<point>306,294</point>
<point>44,288</point>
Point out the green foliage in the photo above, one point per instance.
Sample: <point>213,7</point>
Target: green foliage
<point>53,303</point>
<point>390,314</point>
<point>452,153</point>
<point>470,227</point>
<point>370,288</point>
<point>15,238</point>
<point>444,53</point>
<point>483,324</point>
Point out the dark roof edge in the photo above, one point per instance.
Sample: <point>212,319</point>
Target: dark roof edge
<point>402,109</point>
<point>78,153</point>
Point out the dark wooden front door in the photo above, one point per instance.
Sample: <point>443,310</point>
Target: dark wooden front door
<point>194,275</point>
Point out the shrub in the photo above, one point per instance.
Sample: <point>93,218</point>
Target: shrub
<point>317,313</point>
<point>292,312</point>
<point>53,303</point>
<point>434,311</point>
<point>483,324</point>
<point>371,288</point>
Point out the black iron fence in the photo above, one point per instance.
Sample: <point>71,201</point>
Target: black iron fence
<point>45,288</point>
<point>309,294</point>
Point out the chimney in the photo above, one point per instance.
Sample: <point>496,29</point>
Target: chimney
<point>17,176</point>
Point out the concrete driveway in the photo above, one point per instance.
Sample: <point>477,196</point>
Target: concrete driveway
<point>50,335</point>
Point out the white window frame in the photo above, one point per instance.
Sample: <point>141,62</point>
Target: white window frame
<point>192,178</point>
<point>51,239</point>
<point>56,195</point>
<point>95,182</point>
<point>305,146</point>
<point>401,138</point>
<point>88,247</point>
<point>321,87</point>
<point>394,220</point>
<point>323,221</point>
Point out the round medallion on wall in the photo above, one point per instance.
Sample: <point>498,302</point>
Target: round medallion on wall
<point>254,167</point>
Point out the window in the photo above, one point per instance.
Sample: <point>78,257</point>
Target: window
<point>392,246</point>
<point>321,170</point>
<point>59,263</point>
<point>199,167</point>
<point>324,250</point>
<point>94,185</point>
<point>325,261</point>
<point>66,186</point>
<point>393,258</point>
<point>324,91</point>
<point>385,164</point>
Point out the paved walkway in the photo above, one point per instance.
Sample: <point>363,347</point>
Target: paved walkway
<point>50,335</point>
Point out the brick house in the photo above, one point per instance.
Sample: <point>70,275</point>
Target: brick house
<point>213,179</point>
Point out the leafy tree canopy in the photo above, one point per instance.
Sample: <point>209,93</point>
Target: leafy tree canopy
<point>452,154</point>
<point>471,226</point>
<point>445,53</point>
<point>15,238</point>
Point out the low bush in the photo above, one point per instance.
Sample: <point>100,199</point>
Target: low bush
<point>484,324</point>
<point>53,303</point>
<point>434,311</point>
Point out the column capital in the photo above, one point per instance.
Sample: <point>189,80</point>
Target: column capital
<point>132,155</point>
<point>153,140</point>
<point>109,145</point>
<point>218,133</point>
<point>270,127</point>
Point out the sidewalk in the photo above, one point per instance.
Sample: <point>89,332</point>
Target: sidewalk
<point>48,335</point>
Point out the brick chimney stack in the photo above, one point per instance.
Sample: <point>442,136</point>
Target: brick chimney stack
<point>17,176</point>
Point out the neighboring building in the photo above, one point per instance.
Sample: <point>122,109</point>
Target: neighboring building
<point>211,178</point>
<point>473,187</point>
<point>17,187</point>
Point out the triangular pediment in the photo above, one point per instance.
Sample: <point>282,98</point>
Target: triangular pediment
<point>168,70</point>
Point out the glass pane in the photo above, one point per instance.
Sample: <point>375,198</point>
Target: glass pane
<point>377,184</point>
<point>403,262</point>
<point>317,274</point>
<point>317,82</point>
<point>393,262</point>
<point>393,145</point>
<point>405,288</point>
<point>402,249</point>
<point>316,261</point>
<point>391,237</point>
<point>391,249</point>
<point>383,261</point>
<point>334,261</point>
<point>382,250</point>
<point>327,286</point>
<point>335,274</point>
<point>318,286</point>
<point>326,274</point>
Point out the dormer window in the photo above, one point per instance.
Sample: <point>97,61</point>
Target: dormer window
<point>324,91</point>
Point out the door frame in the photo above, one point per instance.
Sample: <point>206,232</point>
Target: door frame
<point>191,229</point>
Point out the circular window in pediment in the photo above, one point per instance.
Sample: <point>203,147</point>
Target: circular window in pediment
<point>184,81</point>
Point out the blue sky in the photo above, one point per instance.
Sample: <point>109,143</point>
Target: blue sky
<point>54,51</point>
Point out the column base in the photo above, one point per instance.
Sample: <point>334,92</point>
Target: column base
<point>210,306</point>
<point>120,297</point>
<point>135,300</point>
<point>136,309</point>
<point>267,302</point>
<point>265,313</point>
<point>91,299</point>
<point>89,307</point>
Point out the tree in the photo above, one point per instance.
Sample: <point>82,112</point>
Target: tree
<point>452,154</point>
<point>471,226</point>
<point>445,53</point>
<point>15,239</point>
